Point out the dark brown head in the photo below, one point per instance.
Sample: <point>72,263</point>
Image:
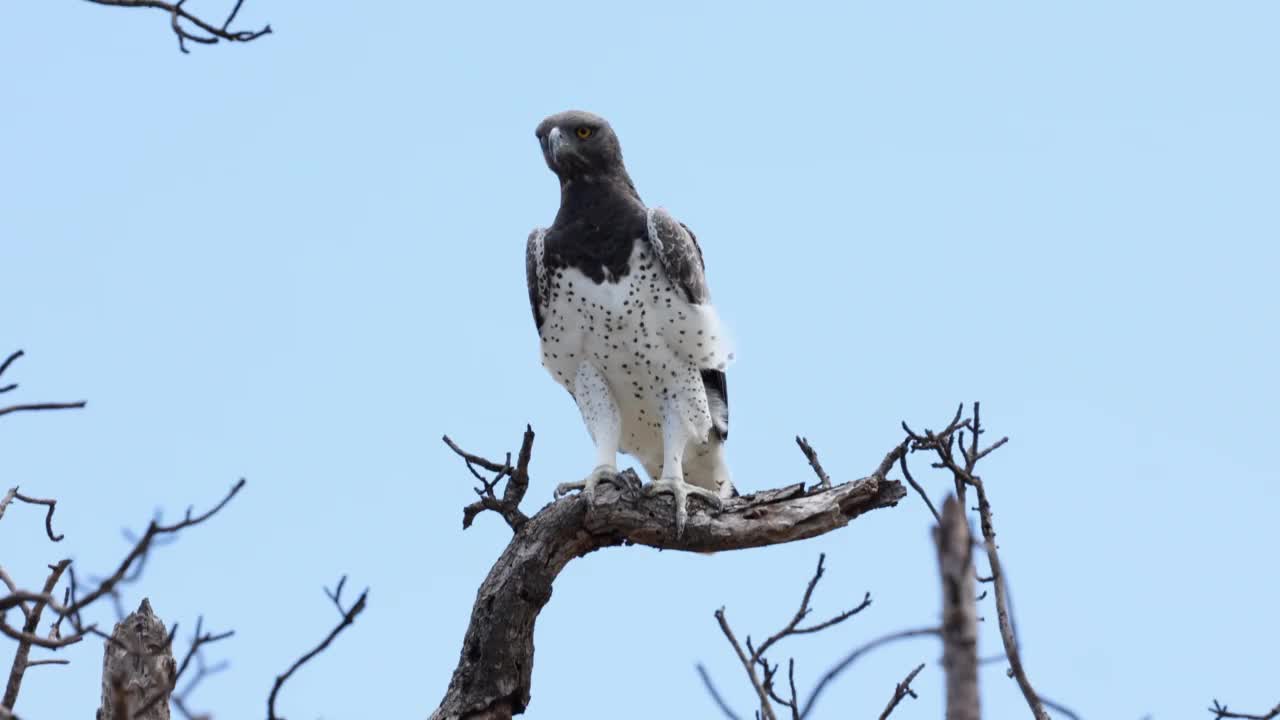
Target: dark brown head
<point>580,145</point>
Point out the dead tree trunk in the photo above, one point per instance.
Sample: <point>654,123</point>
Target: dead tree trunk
<point>138,669</point>
<point>959,612</point>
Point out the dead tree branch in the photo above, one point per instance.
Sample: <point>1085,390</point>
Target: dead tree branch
<point>811,455</point>
<point>902,690</point>
<point>348,617</point>
<point>836,670</point>
<point>13,494</point>
<point>27,407</point>
<point>1220,711</point>
<point>944,445</point>
<point>492,679</point>
<point>179,18</point>
<point>760,671</point>
<point>21,658</point>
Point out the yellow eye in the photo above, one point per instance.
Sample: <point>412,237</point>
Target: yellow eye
<point>584,132</point>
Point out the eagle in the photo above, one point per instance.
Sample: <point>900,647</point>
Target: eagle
<point>624,317</point>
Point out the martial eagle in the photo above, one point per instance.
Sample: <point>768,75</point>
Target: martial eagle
<point>626,324</point>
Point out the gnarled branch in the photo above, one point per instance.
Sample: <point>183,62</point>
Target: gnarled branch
<point>492,679</point>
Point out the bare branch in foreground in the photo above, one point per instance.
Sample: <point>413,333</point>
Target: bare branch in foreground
<point>21,658</point>
<point>13,494</point>
<point>198,641</point>
<point>137,665</point>
<point>944,445</point>
<point>848,660</point>
<point>959,612</point>
<point>28,406</point>
<point>715,694</point>
<point>179,15</point>
<point>902,690</point>
<point>1220,711</point>
<point>348,617</point>
<point>494,671</point>
<point>760,671</point>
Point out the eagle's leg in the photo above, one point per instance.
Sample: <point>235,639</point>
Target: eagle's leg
<point>604,422</point>
<point>675,437</point>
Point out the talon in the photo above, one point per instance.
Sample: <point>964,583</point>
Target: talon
<point>602,473</point>
<point>680,490</point>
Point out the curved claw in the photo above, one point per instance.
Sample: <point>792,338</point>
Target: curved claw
<point>680,491</point>
<point>602,473</point>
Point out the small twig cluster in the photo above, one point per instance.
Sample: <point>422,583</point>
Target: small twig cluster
<point>517,476</point>
<point>180,18</point>
<point>945,445</point>
<point>764,674</point>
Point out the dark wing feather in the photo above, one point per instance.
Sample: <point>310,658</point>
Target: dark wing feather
<point>681,259</point>
<point>678,253</point>
<point>535,275</point>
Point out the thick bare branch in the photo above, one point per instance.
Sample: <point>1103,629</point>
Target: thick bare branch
<point>492,679</point>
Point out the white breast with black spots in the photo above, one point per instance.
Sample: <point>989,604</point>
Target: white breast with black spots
<point>647,341</point>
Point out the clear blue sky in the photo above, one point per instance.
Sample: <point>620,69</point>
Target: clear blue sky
<point>301,261</point>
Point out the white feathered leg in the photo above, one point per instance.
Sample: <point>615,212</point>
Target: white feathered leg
<point>675,437</point>
<point>604,422</point>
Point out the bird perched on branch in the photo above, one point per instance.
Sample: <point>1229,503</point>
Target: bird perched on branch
<point>626,323</point>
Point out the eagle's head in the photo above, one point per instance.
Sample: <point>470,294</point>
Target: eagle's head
<point>579,145</point>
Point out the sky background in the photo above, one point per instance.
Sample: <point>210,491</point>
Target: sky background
<point>300,261</point>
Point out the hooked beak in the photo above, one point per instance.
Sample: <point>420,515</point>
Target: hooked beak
<point>555,142</point>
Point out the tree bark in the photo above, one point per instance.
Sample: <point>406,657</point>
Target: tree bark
<point>138,669</point>
<point>959,612</point>
<point>492,679</point>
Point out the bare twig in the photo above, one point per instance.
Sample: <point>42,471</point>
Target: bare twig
<point>48,518</point>
<point>508,506</point>
<point>902,462</point>
<point>41,406</point>
<point>902,690</point>
<point>1220,711</point>
<point>29,628</point>
<point>198,641</point>
<point>348,617</point>
<point>824,480</point>
<point>749,664</point>
<point>793,627</point>
<point>715,694</point>
<point>852,657</point>
<point>178,15</point>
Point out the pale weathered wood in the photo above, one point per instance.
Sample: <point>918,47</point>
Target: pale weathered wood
<point>138,669</point>
<point>959,612</point>
<point>492,680</point>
